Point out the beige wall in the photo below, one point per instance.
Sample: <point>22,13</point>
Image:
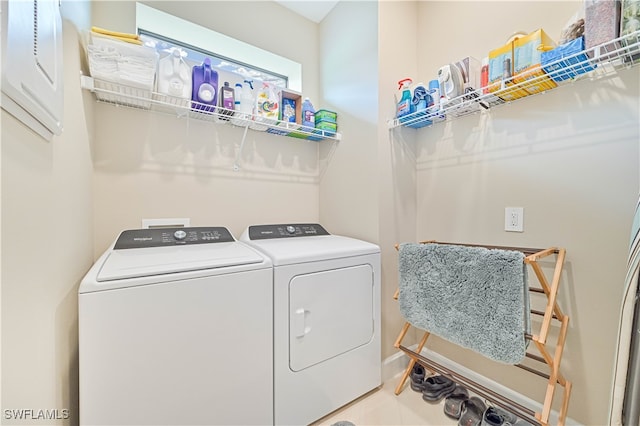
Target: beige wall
<point>349,76</point>
<point>396,151</point>
<point>47,245</point>
<point>569,157</point>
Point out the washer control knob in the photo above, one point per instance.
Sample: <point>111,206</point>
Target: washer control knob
<point>291,229</point>
<point>180,235</point>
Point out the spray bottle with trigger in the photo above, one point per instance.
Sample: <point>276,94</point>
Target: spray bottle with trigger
<point>404,105</point>
<point>246,98</point>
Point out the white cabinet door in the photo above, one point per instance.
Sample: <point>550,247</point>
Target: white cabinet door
<point>32,64</point>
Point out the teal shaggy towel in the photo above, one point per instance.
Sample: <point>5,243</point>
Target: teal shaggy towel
<point>472,296</point>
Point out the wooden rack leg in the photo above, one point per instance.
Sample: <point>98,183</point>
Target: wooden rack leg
<point>412,360</point>
<point>555,377</point>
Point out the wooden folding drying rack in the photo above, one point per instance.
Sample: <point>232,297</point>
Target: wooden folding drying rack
<point>549,357</point>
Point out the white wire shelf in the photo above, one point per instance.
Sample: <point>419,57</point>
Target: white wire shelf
<point>593,63</point>
<point>140,98</point>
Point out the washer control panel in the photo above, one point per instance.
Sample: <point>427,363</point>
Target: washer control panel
<point>265,232</point>
<point>166,237</point>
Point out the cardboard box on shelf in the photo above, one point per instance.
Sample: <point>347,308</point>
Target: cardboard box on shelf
<point>501,74</point>
<point>527,50</point>
<point>514,69</point>
<point>601,24</point>
<point>527,54</point>
<point>290,106</point>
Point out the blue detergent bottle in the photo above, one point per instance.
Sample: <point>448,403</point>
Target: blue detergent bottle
<point>204,87</point>
<point>308,114</point>
<point>421,98</point>
<point>404,105</point>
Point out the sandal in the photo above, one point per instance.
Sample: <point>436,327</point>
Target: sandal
<point>472,411</point>
<point>453,403</point>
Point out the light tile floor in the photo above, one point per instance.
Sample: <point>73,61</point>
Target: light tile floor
<point>384,407</point>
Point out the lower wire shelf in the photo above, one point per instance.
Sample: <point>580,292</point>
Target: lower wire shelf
<point>141,98</point>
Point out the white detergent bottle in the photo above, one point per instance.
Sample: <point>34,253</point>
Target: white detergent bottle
<point>266,103</point>
<point>246,97</point>
<point>174,75</point>
<point>238,95</point>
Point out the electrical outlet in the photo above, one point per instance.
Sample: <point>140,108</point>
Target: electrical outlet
<point>514,219</point>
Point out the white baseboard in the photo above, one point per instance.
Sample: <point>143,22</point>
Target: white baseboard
<point>396,364</point>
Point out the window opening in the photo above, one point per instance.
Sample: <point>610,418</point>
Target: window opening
<point>196,55</point>
<point>236,59</point>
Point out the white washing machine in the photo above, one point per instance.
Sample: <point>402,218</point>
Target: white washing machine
<point>326,318</point>
<point>175,328</point>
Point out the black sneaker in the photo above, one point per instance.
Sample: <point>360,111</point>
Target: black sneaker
<point>495,416</point>
<point>417,377</point>
<point>435,388</point>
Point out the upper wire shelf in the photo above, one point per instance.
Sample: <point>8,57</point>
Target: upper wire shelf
<point>593,63</point>
<point>140,98</point>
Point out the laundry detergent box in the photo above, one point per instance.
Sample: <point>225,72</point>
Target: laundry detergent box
<point>326,115</point>
<point>527,53</point>
<point>566,61</point>
<point>327,127</point>
<point>500,77</point>
<point>290,106</point>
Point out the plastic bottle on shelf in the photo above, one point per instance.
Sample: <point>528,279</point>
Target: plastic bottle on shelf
<point>227,101</point>
<point>308,114</point>
<point>435,107</point>
<point>174,75</point>
<point>204,87</point>
<point>421,98</point>
<point>434,91</point>
<point>238,94</point>
<point>404,105</point>
<point>266,105</point>
<point>484,75</point>
<point>246,99</point>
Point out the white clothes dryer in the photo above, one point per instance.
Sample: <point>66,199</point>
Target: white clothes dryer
<point>326,318</point>
<point>175,327</point>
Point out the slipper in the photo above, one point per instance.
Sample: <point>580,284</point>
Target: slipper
<point>472,412</point>
<point>454,401</point>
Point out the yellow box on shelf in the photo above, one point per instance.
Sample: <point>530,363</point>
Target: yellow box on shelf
<point>501,72</point>
<point>534,80</point>
<point>527,54</point>
<point>517,63</point>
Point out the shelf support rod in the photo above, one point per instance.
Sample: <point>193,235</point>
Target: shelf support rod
<point>236,165</point>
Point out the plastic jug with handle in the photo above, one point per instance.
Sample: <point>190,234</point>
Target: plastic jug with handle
<point>205,87</point>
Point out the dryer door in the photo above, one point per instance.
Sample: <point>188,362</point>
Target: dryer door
<point>330,313</point>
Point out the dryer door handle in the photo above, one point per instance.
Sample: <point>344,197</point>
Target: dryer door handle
<point>299,320</point>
